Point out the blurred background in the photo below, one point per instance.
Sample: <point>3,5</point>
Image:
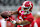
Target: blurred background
<point>12,5</point>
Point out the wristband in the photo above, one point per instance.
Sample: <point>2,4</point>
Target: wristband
<point>14,22</point>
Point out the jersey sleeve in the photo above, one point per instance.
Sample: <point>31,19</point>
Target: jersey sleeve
<point>30,19</point>
<point>19,8</point>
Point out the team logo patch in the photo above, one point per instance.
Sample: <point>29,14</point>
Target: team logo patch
<point>25,17</point>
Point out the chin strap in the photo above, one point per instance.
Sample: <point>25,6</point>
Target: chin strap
<point>26,12</point>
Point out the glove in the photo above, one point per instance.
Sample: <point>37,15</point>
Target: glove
<point>14,22</point>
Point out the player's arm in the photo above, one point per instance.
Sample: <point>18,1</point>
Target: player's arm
<point>25,22</point>
<point>3,14</point>
<point>14,12</point>
<point>6,14</point>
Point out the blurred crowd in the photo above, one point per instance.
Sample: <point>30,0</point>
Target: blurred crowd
<point>16,2</point>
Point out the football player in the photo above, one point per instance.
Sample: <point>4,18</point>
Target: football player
<point>25,17</point>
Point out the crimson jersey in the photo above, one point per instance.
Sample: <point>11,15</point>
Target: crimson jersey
<point>22,17</point>
<point>38,22</point>
<point>9,24</point>
<point>32,24</point>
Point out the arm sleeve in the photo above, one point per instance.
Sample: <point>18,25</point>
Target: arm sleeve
<point>19,8</point>
<point>30,19</point>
